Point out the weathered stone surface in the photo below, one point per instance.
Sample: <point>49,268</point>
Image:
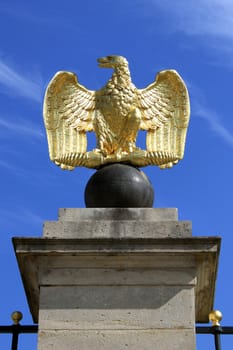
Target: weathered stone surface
<point>120,276</point>
<point>117,223</point>
<point>147,339</point>
<point>36,255</point>
<point>116,229</point>
<point>118,279</point>
<point>117,307</point>
<point>139,214</point>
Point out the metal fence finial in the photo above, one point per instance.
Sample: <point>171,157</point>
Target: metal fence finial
<point>16,317</point>
<point>215,317</point>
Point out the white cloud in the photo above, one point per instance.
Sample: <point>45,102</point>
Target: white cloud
<point>15,82</point>
<point>22,127</point>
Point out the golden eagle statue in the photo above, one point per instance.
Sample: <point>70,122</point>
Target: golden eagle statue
<point>116,113</point>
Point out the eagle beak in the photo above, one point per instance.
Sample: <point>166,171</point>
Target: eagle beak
<point>103,62</point>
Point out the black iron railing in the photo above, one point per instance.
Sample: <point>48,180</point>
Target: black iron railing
<point>216,331</point>
<point>16,329</point>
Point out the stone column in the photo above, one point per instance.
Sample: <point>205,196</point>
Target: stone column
<point>118,279</point>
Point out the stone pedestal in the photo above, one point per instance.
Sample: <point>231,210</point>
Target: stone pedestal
<point>118,279</point>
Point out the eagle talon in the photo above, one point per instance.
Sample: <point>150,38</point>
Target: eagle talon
<point>118,154</point>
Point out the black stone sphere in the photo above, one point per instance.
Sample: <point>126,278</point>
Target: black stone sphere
<point>119,186</point>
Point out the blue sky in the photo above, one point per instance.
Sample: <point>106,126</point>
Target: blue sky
<point>39,38</point>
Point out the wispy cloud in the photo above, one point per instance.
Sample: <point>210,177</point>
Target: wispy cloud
<point>21,215</point>
<point>21,126</point>
<point>214,121</point>
<point>14,170</point>
<point>6,165</point>
<point>19,12</point>
<point>211,21</point>
<point>203,17</point>
<point>27,175</point>
<point>37,16</point>
<point>12,80</point>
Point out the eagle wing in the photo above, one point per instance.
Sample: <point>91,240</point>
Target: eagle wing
<point>165,110</point>
<point>68,115</point>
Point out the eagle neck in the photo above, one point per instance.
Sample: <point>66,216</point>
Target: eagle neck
<point>121,75</point>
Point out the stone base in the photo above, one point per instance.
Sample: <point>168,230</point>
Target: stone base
<point>119,340</point>
<point>93,288</point>
<point>117,223</point>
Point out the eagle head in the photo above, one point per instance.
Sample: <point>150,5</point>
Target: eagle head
<point>112,61</point>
